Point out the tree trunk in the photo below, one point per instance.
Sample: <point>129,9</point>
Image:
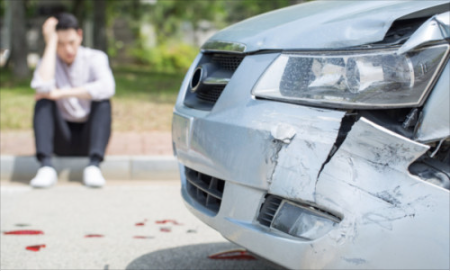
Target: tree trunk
<point>19,48</point>
<point>100,40</point>
<point>78,10</point>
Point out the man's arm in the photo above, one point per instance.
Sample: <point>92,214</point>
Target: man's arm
<point>103,87</point>
<point>47,66</point>
<point>57,94</point>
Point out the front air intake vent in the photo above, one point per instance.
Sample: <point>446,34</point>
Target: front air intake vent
<point>204,189</point>
<point>227,62</point>
<point>268,210</point>
<point>210,78</point>
<point>210,95</point>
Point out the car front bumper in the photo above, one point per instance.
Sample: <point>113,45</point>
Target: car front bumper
<point>390,219</point>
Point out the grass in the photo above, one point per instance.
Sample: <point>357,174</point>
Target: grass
<point>143,102</point>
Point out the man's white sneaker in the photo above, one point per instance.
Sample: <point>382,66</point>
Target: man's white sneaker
<point>92,176</point>
<point>45,177</point>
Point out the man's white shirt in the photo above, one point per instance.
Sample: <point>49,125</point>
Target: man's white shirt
<point>90,70</point>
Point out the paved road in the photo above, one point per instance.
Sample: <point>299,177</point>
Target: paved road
<point>68,212</point>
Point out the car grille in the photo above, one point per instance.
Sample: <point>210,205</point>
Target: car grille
<point>210,95</point>
<point>268,210</point>
<point>219,70</point>
<point>227,62</point>
<point>205,189</point>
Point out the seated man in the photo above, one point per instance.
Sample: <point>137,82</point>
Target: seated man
<point>72,116</point>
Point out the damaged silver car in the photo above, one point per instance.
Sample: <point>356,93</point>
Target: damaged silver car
<point>318,136</point>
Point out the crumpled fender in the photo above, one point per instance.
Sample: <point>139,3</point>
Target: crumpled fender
<point>383,205</point>
<point>323,25</point>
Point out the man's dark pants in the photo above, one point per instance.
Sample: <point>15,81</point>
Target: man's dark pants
<point>54,135</point>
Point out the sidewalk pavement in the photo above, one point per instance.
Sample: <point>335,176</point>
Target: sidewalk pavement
<point>129,156</point>
<point>121,143</point>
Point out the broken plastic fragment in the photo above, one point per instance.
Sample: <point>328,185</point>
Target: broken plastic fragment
<point>143,237</point>
<point>235,254</point>
<point>283,132</point>
<point>168,221</point>
<point>24,232</point>
<point>434,29</point>
<point>93,235</point>
<point>35,247</point>
<point>165,229</point>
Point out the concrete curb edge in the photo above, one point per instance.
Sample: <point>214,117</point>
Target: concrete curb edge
<point>23,168</point>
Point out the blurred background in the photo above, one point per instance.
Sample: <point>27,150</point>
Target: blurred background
<point>150,43</point>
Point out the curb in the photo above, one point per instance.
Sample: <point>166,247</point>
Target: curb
<point>23,168</point>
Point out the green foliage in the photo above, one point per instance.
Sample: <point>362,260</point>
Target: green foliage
<point>141,83</point>
<point>168,15</point>
<point>244,9</point>
<point>2,8</point>
<point>166,58</point>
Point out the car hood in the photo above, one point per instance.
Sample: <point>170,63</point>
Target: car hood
<point>321,25</point>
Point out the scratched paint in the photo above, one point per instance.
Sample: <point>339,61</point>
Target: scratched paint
<point>283,132</point>
<point>298,164</point>
<point>435,120</point>
<point>371,169</point>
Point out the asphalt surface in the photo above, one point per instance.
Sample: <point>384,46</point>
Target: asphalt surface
<point>69,211</point>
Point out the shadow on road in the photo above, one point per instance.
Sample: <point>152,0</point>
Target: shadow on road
<point>195,257</point>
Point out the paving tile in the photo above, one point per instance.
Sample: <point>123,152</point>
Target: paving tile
<point>21,143</point>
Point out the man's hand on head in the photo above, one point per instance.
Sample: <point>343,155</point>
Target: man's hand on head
<point>49,29</point>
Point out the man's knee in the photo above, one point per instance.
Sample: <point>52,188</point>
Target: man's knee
<point>44,103</point>
<point>44,108</point>
<point>103,106</point>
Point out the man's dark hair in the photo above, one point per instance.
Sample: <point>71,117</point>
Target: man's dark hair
<point>66,21</point>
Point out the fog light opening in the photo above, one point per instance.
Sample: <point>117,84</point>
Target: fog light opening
<point>196,78</point>
<point>305,222</point>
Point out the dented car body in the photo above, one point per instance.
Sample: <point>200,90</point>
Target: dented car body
<point>318,136</point>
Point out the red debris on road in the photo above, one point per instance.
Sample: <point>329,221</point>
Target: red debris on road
<point>143,237</point>
<point>141,223</point>
<point>235,254</point>
<point>168,221</point>
<point>24,232</point>
<point>35,247</point>
<point>93,235</point>
<point>165,229</point>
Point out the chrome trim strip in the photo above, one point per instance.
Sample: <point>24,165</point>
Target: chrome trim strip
<point>223,46</point>
<point>216,81</point>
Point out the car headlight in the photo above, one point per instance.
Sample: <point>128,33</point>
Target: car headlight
<point>353,80</point>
